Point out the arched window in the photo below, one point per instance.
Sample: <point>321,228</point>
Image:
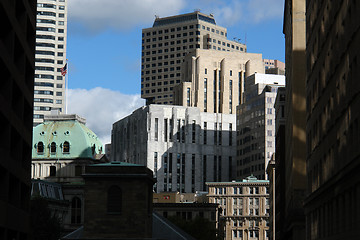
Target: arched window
<point>114,200</point>
<point>66,147</point>
<point>40,148</point>
<point>76,210</point>
<point>53,147</point>
<point>93,149</point>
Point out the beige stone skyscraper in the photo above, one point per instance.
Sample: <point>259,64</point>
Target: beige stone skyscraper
<point>213,80</point>
<point>165,45</point>
<point>50,57</point>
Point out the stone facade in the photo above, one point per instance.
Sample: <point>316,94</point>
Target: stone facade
<point>295,112</point>
<point>332,128</point>
<point>256,125</point>
<point>118,201</point>
<point>213,81</point>
<point>183,146</point>
<point>165,45</point>
<point>244,213</point>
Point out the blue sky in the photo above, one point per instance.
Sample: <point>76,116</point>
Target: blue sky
<point>104,47</point>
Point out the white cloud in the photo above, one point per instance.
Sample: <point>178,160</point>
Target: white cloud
<point>98,15</point>
<point>102,107</point>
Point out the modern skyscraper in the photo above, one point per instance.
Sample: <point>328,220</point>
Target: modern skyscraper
<point>17,52</point>
<point>295,112</point>
<point>332,128</point>
<point>165,45</point>
<point>51,31</point>
<point>256,124</point>
<point>213,81</point>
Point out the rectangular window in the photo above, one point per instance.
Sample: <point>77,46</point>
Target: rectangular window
<point>165,129</point>
<point>205,133</point>
<point>156,129</point>
<point>193,139</point>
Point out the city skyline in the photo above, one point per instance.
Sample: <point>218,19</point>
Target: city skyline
<point>114,49</point>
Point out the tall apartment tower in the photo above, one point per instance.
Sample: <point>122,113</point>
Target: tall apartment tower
<point>165,45</point>
<point>256,125</point>
<point>295,112</point>
<point>17,53</point>
<point>332,128</point>
<point>213,80</point>
<point>51,31</point>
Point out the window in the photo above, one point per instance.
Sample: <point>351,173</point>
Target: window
<point>114,200</point>
<point>76,210</point>
<point>66,147</point>
<point>52,171</point>
<point>40,148</point>
<point>78,171</point>
<point>53,148</point>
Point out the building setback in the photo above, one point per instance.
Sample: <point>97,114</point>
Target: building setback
<point>51,32</point>
<point>244,212</point>
<point>183,146</point>
<point>213,81</point>
<point>165,45</point>
<point>17,51</point>
<point>332,127</point>
<point>256,124</point>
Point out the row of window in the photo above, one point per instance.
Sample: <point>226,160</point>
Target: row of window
<point>184,28</point>
<point>171,50</point>
<point>49,29</point>
<point>49,21</point>
<point>46,60</point>
<point>50,45</point>
<point>65,147</point>
<point>49,37</point>
<point>51,53</point>
<point>46,13</point>
<point>47,5</point>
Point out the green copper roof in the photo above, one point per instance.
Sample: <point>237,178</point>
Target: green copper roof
<point>83,143</point>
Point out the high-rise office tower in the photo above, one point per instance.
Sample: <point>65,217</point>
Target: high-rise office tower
<point>51,30</point>
<point>256,124</point>
<point>295,126</point>
<point>165,45</point>
<point>332,114</point>
<point>213,81</point>
<point>17,53</point>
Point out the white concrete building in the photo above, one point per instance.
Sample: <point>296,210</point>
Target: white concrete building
<point>182,145</point>
<point>256,124</point>
<point>50,57</point>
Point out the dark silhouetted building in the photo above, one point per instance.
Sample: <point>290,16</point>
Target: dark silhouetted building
<point>17,56</point>
<point>333,135</point>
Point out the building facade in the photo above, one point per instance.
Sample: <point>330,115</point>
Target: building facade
<point>183,146</point>
<point>332,128</point>
<point>62,147</point>
<point>213,81</point>
<point>244,207</point>
<point>279,178</point>
<point>256,124</point>
<point>165,45</point>
<point>51,32</point>
<point>295,112</point>
<point>17,63</point>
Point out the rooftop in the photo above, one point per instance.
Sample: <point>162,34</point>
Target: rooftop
<point>184,18</point>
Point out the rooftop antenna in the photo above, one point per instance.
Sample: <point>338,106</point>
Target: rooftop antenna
<point>197,10</point>
<point>245,38</point>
